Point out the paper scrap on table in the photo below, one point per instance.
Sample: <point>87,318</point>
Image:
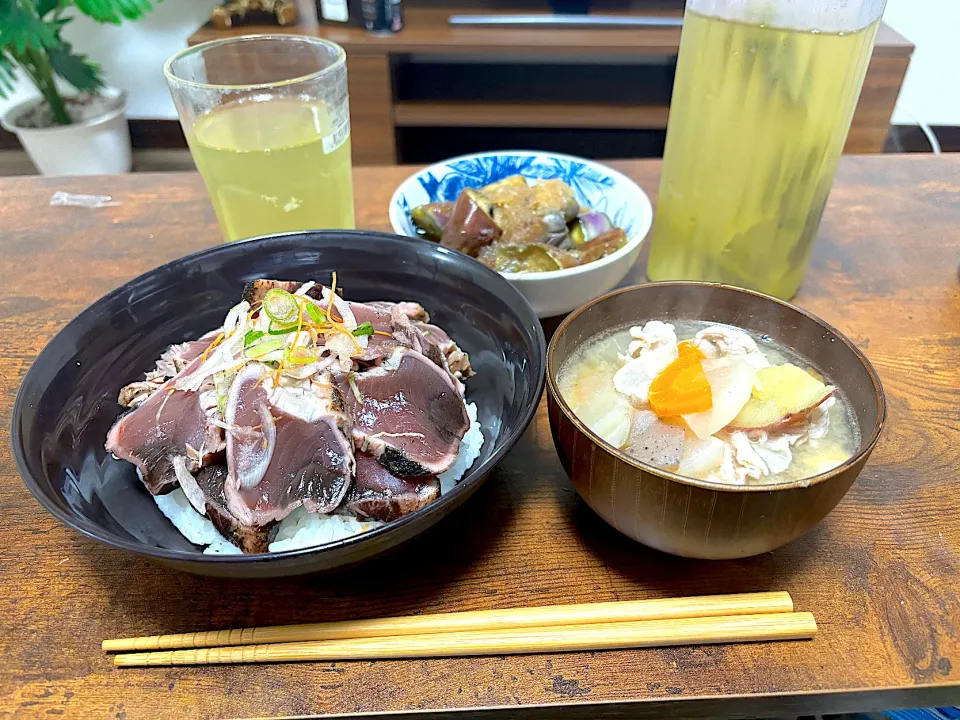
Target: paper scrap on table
<point>77,200</point>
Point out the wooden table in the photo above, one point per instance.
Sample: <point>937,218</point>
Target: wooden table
<point>882,572</point>
<point>379,109</point>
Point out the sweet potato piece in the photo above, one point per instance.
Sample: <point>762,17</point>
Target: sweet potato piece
<point>782,395</point>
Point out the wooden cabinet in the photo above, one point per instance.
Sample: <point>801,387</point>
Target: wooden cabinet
<point>372,113</point>
<point>619,83</point>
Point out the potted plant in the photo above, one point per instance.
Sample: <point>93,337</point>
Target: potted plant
<point>79,132</point>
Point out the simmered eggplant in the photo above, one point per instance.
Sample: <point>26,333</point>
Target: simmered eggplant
<point>535,214</point>
<point>601,246</point>
<point>555,196</point>
<point>471,226</point>
<point>556,232</point>
<point>528,257</point>
<point>521,225</point>
<point>589,225</point>
<point>504,188</point>
<point>432,218</point>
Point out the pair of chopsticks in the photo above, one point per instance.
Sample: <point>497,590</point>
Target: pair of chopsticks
<point>746,617</point>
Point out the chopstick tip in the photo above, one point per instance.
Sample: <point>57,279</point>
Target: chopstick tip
<point>117,644</point>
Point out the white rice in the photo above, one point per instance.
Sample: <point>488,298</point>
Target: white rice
<point>469,451</point>
<point>301,529</point>
<point>222,547</point>
<point>192,525</point>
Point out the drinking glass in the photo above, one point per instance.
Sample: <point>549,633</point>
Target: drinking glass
<point>268,124</point>
<point>762,102</point>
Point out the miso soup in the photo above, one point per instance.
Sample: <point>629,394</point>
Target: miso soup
<point>711,402</point>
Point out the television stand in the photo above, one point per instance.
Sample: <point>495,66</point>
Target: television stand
<point>436,89</point>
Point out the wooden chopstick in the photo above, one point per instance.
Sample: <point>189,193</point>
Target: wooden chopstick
<point>478,620</point>
<point>603,636</point>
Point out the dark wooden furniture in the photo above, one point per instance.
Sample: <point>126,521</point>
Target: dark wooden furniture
<point>625,74</point>
<point>881,572</point>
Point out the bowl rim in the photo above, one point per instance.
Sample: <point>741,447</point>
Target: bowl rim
<point>644,208</point>
<point>866,446</point>
<point>474,474</point>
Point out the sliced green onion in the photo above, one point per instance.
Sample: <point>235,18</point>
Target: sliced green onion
<point>300,356</point>
<point>281,329</point>
<point>353,386</point>
<point>281,306</point>
<point>222,383</point>
<point>252,336</point>
<point>363,329</point>
<point>264,348</point>
<point>317,316</point>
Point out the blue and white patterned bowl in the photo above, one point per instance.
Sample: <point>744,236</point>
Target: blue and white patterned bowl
<point>596,186</point>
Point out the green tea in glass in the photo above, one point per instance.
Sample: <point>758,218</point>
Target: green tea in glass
<point>268,124</point>
<point>762,102</point>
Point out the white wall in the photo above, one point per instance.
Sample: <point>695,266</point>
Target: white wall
<point>932,88</point>
<point>132,54</point>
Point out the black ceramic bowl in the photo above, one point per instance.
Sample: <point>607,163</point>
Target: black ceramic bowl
<point>68,400</point>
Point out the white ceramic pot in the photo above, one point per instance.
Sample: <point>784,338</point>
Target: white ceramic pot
<point>99,146</point>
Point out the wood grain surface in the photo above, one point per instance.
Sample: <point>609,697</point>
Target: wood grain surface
<point>878,96</point>
<point>373,138</point>
<point>882,572</point>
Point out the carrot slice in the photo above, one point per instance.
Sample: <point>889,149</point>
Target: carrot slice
<point>682,386</point>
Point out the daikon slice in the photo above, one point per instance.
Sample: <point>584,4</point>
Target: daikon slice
<point>602,409</point>
<point>613,425</point>
<point>700,457</point>
<point>634,378</point>
<point>731,382</point>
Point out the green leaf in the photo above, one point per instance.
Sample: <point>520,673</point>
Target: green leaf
<point>20,29</point>
<point>8,74</point>
<point>46,6</point>
<point>113,11</point>
<point>78,70</point>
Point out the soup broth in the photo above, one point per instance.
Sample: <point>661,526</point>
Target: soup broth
<point>794,447</point>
